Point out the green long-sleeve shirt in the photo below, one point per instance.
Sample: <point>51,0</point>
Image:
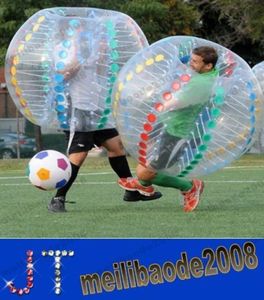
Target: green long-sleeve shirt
<point>190,101</point>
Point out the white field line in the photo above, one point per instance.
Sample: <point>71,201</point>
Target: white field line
<point>234,181</point>
<point>245,167</point>
<point>111,172</point>
<point>80,174</point>
<point>114,182</point>
<point>86,183</point>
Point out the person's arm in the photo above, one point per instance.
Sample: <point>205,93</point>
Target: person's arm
<point>71,70</point>
<point>198,90</point>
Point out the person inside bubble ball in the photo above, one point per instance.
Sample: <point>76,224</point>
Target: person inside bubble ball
<point>183,113</point>
<point>78,75</point>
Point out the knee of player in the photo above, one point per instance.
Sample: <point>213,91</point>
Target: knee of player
<point>78,158</point>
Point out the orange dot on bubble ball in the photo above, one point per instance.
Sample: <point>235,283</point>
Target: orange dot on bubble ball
<point>18,91</point>
<point>142,152</point>
<point>147,127</point>
<point>144,136</point>
<point>23,102</point>
<point>185,77</point>
<point>151,118</point>
<point>167,96</point>
<point>159,107</point>
<point>142,145</point>
<point>176,85</point>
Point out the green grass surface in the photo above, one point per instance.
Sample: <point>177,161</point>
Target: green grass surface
<point>232,206</point>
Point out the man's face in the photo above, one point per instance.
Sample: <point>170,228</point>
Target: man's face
<point>198,65</point>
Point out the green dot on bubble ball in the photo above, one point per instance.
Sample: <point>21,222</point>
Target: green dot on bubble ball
<point>112,79</point>
<point>180,175</point>
<point>189,168</point>
<point>46,88</point>
<point>115,68</point>
<point>111,33</point>
<point>100,126</point>
<point>215,112</point>
<point>211,124</point>
<point>198,156</point>
<point>103,120</point>
<point>108,100</point>
<point>109,25</point>
<point>218,100</point>
<point>45,65</point>
<point>45,78</point>
<point>207,137</point>
<point>107,111</point>
<point>202,147</point>
<point>219,91</point>
<point>114,55</point>
<point>185,172</point>
<point>194,162</point>
<point>113,44</point>
<point>110,91</point>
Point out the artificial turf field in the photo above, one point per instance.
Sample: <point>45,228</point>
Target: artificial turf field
<point>232,206</point>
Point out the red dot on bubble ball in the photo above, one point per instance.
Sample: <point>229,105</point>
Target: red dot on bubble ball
<point>142,145</point>
<point>142,159</point>
<point>228,72</point>
<point>144,136</point>
<point>151,118</point>
<point>185,77</point>
<point>159,106</point>
<point>167,96</point>
<point>147,127</point>
<point>176,85</point>
<point>142,152</point>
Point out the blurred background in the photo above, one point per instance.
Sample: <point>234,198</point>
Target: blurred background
<point>237,25</point>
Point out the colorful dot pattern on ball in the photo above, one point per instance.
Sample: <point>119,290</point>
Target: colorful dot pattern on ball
<point>62,164</point>
<point>42,154</point>
<point>114,69</point>
<point>43,174</point>
<point>151,118</point>
<point>215,135</point>
<point>41,63</point>
<point>16,61</point>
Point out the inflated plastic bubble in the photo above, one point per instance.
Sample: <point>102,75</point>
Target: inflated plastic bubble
<point>258,70</point>
<point>181,122</point>
<point>62,63</point>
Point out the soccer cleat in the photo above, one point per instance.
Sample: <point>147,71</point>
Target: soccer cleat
<point>192,197</point>
<point>132,184</point>
<point>57,204</point>
<point>133,196</point>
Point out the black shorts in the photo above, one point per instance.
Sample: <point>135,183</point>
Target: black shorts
<point>85,141</point>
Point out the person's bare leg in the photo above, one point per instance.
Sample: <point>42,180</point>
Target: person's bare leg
<point>144,173</point>
<point>114,147</point>
<point>78,158</point>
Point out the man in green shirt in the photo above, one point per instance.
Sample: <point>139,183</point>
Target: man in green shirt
<point>179,118</point>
